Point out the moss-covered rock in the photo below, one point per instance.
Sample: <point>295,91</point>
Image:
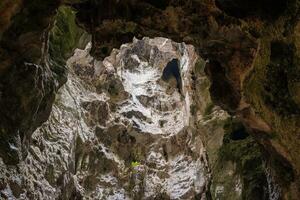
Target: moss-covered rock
<point>64,37</point>
<point>240,152</point>
<point>30,74</point>
<point>272,89</point>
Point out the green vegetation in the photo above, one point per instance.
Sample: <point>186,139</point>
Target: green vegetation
<point>280,71</point>
<point>135,164</point>
<point>246,154</point>
<point>64,37</point>
<point>272,87</point>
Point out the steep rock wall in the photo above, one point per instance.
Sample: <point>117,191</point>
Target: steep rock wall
<point>30,75</point>
<point>118,130</point>
<point>252,49</point>
<point>244,52</point>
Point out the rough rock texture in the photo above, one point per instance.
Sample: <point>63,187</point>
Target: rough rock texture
<point>29,74</point>
<point>240,171</point>
<point>237,165</point>
<point>252,46</point>
<point>134,140</point>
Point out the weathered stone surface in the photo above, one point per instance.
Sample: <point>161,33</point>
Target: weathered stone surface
<point>238,51</point>
<point>30,76</point>
<point>253,49</point>
<point>93,147</point>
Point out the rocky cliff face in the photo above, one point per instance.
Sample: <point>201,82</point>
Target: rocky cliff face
<point>119,129</point>
<point>252,48</point>
<point>34,46</point>
<point>139,125</point>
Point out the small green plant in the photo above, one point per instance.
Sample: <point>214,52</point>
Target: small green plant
<point>135,164</point>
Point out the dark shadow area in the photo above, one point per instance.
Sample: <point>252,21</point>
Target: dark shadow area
<point>281,71</point>
<point>158,3</point>
<point>222,89</point>
<point>270,9</point>
<point>239,134</point>
<point>172,71</point>
<point>240,148</point>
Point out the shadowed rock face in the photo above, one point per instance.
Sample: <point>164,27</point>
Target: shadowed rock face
<point>30,75</point>
<point>252,46</point>
<point>245,8</point>
<point>27,83</point>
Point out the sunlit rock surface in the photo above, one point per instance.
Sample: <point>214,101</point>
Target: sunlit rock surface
<point>118,130</point>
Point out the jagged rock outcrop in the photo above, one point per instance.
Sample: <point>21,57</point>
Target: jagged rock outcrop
<point>252,48</point>
<point>139,125</point>
<point>244,43</point>
<point>135,139</point>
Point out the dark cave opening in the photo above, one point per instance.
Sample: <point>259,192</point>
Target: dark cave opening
<point>172,71</point>
<point>239,134</point>
<point>235,131</point>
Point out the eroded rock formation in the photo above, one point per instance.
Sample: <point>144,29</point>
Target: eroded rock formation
<point>31,70</point>
<point>252,48</point>
<point>135,139</point>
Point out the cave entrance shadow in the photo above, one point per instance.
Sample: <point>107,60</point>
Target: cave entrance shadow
<point>239,134</point>
<point>172,70</point>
